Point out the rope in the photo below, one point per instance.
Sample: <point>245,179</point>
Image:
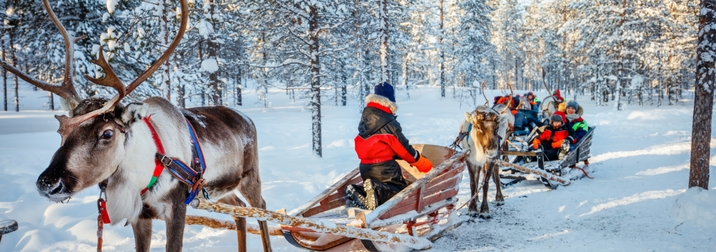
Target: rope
<point>99,233</point>
<point>583,171</point>
<point>472,198</point>
<point>513,145</point>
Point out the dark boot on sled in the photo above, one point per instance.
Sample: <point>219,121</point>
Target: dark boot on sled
<point>371,199</point>
<point>563,151</point>
<point>355,197</point>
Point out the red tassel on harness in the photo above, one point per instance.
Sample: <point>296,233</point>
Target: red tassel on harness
<point>102,206</point>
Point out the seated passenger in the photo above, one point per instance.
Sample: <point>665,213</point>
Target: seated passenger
<point>534,101</point>
<point>555,140</point>
<point>379,143</point>
<point>563,108</point>
<point>575,121</point>
<point>557,96</point>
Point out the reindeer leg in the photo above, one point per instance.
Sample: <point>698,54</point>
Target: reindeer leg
<point>250,188</point>
<point>142,234</point>
<point>175,225</point>
<point>499,199</point>
<point>484,208</point>
<point>474,174</point>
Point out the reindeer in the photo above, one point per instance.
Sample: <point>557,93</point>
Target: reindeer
<point>484,131</point>
<point>118,147</point>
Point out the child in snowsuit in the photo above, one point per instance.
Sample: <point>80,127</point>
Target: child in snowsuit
<point>379,143</point>
<point>555,140</point>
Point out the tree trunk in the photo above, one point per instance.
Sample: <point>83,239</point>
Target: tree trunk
<point>442,50</point>
<point>166,77</point>
<point>703,98</point>
<point>344,84</point>
<point>213,48</point>
<point>52,100</point>
<point>4,74</point>
<point>384,46</point>
<point>239,98</point>
<point>14,63</point>
<point>405,75</point>
<point>315,81</point>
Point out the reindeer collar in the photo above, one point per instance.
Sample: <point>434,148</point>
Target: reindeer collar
<point>190,175</point>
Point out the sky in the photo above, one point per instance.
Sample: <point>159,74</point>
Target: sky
<point>637,200</point>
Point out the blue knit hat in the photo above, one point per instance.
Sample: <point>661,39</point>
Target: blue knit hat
<point>386,90</point>
<point>573,104</point>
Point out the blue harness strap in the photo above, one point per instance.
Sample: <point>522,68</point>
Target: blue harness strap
<point>190,175</point>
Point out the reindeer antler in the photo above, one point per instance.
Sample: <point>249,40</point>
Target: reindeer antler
<point>111,79</point>
<point>544,83</point>
<point>484,84</point>
<point>66,90</point>
<point>509,101</point>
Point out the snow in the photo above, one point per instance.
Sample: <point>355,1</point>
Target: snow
<point>205,28</point>
<point>111,6</point>
<point>637,201</point>
<point>210,65</point>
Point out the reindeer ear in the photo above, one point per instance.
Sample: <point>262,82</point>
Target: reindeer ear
<point>468,117</point>
<point>134,112</point>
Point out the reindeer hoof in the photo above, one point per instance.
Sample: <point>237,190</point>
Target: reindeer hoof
<point>499,203</point>
<point>485,216</point>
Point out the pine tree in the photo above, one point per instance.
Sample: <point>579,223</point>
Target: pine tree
<point>703,97</point>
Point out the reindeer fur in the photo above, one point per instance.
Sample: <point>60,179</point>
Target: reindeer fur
<point>488,132</point>
<point>228,140</point>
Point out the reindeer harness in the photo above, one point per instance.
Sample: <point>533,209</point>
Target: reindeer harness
<point>189,175</point>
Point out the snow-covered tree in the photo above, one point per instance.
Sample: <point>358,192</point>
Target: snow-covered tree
<point>703,97</point>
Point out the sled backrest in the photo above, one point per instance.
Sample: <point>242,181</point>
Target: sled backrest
<point>436,155</point>
<point>581,152</point>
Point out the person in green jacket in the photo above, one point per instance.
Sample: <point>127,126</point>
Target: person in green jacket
<point>575,121</point>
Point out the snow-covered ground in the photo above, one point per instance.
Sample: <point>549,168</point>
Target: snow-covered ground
<point>637,201</point>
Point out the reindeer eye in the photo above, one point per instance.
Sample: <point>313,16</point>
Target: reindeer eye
<point>107,134</point>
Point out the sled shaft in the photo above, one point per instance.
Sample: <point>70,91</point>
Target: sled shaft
<point>306,224</point>
<point>542,173</point>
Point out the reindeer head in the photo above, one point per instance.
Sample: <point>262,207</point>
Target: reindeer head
<point>91,152</point>
<point>485,124</point>
<point>93,135</point>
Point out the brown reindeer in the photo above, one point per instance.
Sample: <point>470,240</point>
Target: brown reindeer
<point>106,143</point>
<point>484,131</point>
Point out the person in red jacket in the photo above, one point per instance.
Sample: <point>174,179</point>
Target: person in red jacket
<point>379,143</point>
<point>557,96</point>
<point>556,139</point>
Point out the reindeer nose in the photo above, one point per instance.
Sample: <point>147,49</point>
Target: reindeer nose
<point>48,187</point>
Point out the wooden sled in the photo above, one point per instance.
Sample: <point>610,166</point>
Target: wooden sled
<point>423,210</point>
<point>411,220</point>
<point>551,173</point>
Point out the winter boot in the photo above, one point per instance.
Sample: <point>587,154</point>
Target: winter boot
<point>371,199</point>
<point>354,197</point>
<point>563,151</point>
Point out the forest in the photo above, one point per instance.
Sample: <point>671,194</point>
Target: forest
<point>329,52</point>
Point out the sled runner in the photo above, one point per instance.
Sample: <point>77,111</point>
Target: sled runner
<point>532,165</point>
